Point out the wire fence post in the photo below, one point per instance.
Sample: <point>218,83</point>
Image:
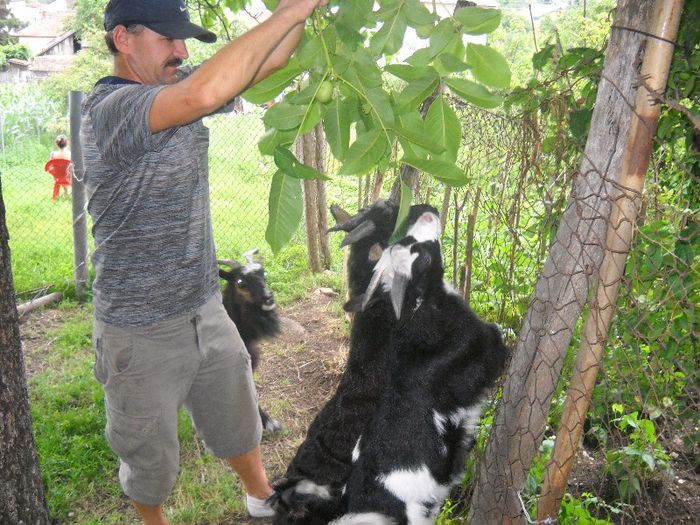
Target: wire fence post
<point>80,238</point>
<point>621,226</point>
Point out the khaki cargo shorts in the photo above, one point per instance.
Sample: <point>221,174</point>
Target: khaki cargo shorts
<point>197,361</point>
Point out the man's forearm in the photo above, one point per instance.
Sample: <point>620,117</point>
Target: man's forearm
<point>280,55</point>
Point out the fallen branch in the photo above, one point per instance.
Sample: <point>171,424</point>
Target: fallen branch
<point>36,303</point>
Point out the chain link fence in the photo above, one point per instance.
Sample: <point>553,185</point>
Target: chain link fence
<point>641,437</point>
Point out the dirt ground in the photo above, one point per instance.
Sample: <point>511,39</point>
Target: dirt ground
<point>300,369</point>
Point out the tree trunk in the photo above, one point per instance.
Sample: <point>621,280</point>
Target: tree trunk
<point>308,154</point>
<point>321,202</point>
<point>627,203</point>
<point>21,489</point>
<point>563,288</point>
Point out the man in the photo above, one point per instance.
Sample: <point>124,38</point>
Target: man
<point>162,338</point>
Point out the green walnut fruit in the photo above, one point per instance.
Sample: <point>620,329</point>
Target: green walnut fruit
<point>424,31</point>
<point>325,92</point>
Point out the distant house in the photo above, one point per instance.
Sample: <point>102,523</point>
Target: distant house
<point>53,48</point>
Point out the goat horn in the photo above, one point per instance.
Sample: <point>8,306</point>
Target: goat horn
<point>249,255</point>
<point>348,223</point>
<point>365,229</point>
<point>231,263</point>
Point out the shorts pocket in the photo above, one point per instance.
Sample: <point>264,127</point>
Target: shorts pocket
<point>134,438</point>
<point>115,353</point>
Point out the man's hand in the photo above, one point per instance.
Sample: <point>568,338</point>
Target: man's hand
<point>302,8</point>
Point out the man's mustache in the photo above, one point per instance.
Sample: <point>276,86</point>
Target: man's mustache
<point>177,62</point>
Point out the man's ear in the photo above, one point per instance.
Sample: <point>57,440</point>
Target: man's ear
<point>120,36</point>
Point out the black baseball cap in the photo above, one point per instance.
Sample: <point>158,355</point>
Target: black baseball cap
<point>166,17</point>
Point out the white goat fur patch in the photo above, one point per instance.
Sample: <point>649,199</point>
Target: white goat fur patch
<point>426,228</point>
<point>251,268</point>
<point>366,518</point>
<point>420,492</point>
<point>310,488</point>
<point>356,450</point>
<point>466,417</point>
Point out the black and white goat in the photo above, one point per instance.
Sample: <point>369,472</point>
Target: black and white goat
<point>251,305</point>
<point>444,361</point>
<point>309,492</point>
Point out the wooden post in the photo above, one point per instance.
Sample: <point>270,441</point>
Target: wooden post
<point>79,199</point>
<point>469,252</point>
<point>565,282</point>
<point>321,201</point>
<point>305,146</point>
<point>655,68</point>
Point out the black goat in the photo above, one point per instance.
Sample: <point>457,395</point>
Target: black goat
<point>444,361</point>
<point>309,492</point>
<point>251,305</point>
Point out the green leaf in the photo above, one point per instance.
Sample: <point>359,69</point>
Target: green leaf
<point>350,37</point>
<point>417,91</point>
<point>336,124</point>
<point>285,205</point>
<point>488,66</point>
<point>404,207</point>
<point>354,14</point>
<point>380,104</point>
<point>285,115</point>
<point>287,162</point>
<point>270,87</point>
<point>542,57</point>
<point>411,128</point>
<point>410,131</point>
<point>310,54</point>
<point>443,35</point>
<point>409,73</point>
<point>417,14</point>
<point>389,38</point>
<point>579,122</point>
<point>444,171</point>
<point>365,152</point>
<point>274,137</point>
<point>478,20</point>
<point>442,125</point>
<point>311,117</point>
<point>474,93</point>
<point>451,63</point>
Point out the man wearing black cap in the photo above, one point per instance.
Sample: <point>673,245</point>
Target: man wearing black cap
<point>162,338</point>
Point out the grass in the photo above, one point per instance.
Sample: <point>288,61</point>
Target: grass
<point>79,469</point>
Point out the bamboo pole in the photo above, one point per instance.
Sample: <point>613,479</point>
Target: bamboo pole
<point>621,225</point>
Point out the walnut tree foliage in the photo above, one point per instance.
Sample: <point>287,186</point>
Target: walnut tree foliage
<point>337,79</point>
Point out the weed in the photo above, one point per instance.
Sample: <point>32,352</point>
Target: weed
<point>641,460</point>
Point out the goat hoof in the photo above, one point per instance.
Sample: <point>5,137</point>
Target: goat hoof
<point>272,426</point>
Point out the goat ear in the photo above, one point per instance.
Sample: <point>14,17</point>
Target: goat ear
<point>227,276</point>
<point>354,305</point>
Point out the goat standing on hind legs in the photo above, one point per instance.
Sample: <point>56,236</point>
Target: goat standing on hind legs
<point>309,494</point>
<point>444,361</point>
<point>251,305</point>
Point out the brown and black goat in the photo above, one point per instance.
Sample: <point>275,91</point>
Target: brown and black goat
<point>251,305</point>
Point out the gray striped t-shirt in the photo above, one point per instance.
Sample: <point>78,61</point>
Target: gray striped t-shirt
<point>148,194</point>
